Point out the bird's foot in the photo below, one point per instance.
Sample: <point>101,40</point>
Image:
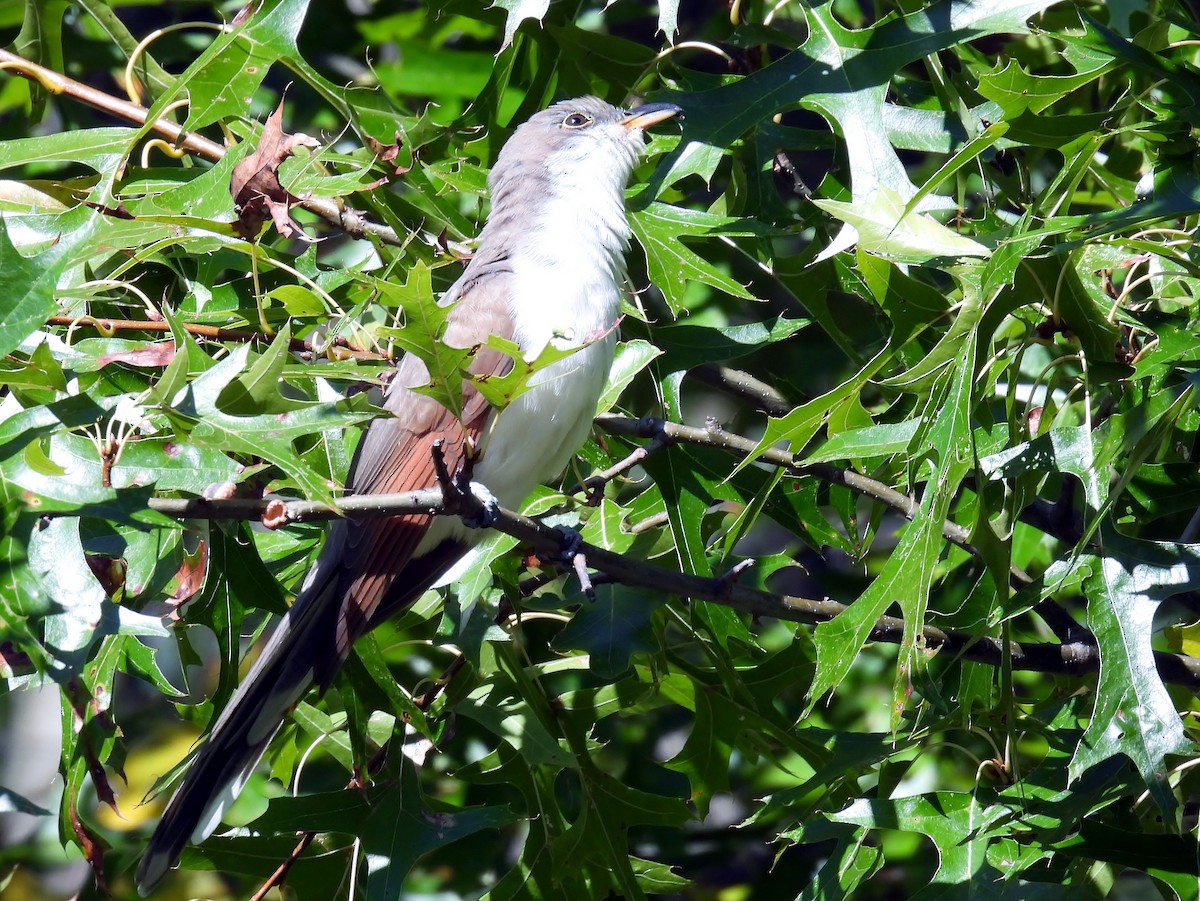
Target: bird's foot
<point>475,505</point>
<point>486,508</point>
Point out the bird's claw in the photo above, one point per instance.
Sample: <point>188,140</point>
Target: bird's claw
<point>570,544</point>
<point>487,508</point>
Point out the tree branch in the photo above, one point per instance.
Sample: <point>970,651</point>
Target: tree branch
<point>715,436</point>
<point>742,384</point>
<point>282,511</point>
<point>662,433</point>
<point>339,346</point>
<point>1076,658</point>
<point>351,221</point>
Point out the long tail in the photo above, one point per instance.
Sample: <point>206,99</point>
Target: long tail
<point>282,673</point>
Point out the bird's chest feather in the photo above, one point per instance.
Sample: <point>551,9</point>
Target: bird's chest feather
<point>568,277</point>
<point>566,293</point>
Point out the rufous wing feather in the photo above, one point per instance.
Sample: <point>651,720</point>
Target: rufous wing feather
<point>368,569</point>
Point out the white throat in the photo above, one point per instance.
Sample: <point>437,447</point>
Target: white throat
<point>569,268</point>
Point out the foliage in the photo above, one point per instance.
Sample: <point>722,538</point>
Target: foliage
<point>976,337</point>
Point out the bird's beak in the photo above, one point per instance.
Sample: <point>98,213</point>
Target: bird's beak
<point>650,114</point>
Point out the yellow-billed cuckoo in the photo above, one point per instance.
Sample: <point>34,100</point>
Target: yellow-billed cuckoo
<point>549,267</point>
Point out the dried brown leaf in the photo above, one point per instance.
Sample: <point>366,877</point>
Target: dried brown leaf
<point>190,577</point>
<point>257,192</point>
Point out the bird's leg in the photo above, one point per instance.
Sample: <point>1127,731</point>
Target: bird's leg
<point>486,508</point>
<point>475,505</point>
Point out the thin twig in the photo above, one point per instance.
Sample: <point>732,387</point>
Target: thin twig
<point>713,436</point>
<point>594,484</point>
<point>337,347</point>
<point>59,84</point>
<point>281,871</point>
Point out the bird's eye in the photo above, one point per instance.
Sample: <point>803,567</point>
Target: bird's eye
<point>577,120</point>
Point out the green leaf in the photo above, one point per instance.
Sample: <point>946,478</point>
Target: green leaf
<point>56,558</point>
<point>222,81</point>
<point>27,289</point>
<point>884,226</point>
<point>1062,281</point>
<point>257,389</point>
<point>396,822</point>
<point>691,344</point>
<point>1135,714</point>
<point>958,823</point>
<point>631,358</point>
<point>907,576</point>
<point>851,861</point>
<point>518,11</point>
<point>424,326</point>
<point>198,412</point>
<point>1017,91</point>
<point>100,149</point>
<point>513,720</point>
<point>502,390</point>
<point>660,229</point>
<point>612,629</point>
<point>873,441</point>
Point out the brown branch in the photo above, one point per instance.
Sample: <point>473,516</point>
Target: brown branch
<point>739,383</point>
<point>1076,657</point>
<point>662,433</point>
<point>351,221</point>
<point>426,500</point>
<point>337,347</point>
<point>714,436</point>
<point>281,871</point>
<point>594,484</point>
<point>59,84</point>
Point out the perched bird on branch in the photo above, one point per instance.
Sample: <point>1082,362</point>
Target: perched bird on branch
<point>549,271</point>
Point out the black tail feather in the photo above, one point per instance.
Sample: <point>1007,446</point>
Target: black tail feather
<point>278,679</point>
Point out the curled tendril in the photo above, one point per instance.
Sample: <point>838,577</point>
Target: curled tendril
<point>130,83</point>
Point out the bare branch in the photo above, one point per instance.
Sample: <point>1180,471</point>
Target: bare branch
<point>663,433</point>
<point>427,500</point>
<point>57,83</point>
<point>276,878</point>
<point>714,436</point>
<point>742,384</point>
<point>337,347</point>
<point>1077,657</point>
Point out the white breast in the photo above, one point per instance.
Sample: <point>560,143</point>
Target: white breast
<point>568,278</point>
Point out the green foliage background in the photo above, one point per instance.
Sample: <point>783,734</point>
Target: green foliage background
<point>977,336</point>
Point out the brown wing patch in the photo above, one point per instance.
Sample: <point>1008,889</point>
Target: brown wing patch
<point>396,454</point>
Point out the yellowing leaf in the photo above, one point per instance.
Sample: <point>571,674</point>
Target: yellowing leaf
<point>885,229</point>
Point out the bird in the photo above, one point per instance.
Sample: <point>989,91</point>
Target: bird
<point>548,271</point>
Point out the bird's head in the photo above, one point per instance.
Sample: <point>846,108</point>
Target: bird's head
<point>583,145</point>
